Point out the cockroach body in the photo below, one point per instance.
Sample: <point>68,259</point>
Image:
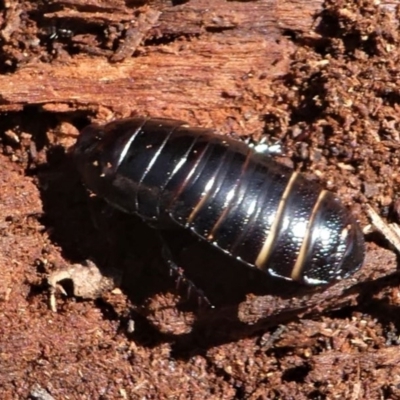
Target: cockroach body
<point>245,203</point>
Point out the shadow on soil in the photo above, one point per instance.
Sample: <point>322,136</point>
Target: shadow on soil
<point>86,228</point>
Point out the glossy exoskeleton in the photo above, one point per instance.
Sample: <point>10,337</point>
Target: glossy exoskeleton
<point>243,202</point>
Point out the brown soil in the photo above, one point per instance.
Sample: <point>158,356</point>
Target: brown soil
<point>322,77</point>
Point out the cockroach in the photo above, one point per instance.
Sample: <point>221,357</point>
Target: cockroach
<point>226,192</point>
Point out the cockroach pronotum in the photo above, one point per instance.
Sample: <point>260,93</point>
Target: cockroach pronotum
<point>242,201</point>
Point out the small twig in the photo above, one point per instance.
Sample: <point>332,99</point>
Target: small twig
<point>390,231</point>
<point>135,35</point>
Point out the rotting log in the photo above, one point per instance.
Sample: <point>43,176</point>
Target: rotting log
<point>213,64</point>
<point>64,63</point>
<point>202,61</point>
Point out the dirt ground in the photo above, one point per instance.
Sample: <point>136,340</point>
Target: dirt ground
<point>326,83</point>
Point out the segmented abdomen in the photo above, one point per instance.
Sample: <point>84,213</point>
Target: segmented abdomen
<point>243,202</point>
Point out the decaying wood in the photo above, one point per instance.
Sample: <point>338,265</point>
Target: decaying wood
<point>237,49</point>
<point>163,79</point>
<point>231,41</point>
<point>320,75</point>
<point>139,64</point>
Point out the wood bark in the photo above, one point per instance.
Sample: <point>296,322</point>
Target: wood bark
<point>202,61</point>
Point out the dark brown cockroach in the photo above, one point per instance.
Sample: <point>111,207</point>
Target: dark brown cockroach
<point>242,201</point>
